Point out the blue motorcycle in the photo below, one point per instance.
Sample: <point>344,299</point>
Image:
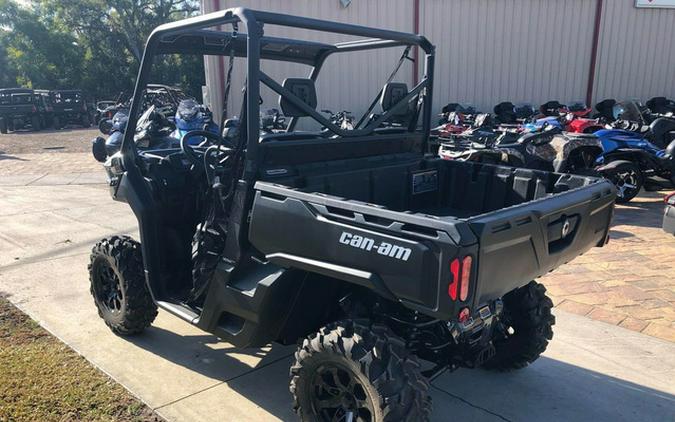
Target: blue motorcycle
<point>190,116</point>
<point>637,157</point>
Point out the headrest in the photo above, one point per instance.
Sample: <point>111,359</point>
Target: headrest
<point>605,104</point>
<point>392,93</point>
<point>304,89</point>
<point>551,106</point>
<point>451,107</point>
<point>505,107</point>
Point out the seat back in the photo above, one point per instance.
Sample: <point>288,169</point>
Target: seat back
<point>392,93</point>
<point>304,89</point>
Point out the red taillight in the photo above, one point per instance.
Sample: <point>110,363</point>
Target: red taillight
<point>454,270</point>
<point>669,199</point>
<point>460,278</point>
<point>466,273</point>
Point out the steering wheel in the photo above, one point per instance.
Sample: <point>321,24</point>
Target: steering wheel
<point>195,154</point>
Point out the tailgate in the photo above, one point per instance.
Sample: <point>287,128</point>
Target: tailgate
<point>526,241</point>
<point>399,255</point>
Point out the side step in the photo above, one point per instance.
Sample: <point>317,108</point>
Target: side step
<point>249,307</point>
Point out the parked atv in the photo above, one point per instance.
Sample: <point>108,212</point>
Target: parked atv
<point>355,245</point>
<point>548,149</point>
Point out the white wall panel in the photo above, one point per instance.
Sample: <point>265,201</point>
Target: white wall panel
<point>636,52</point>
<point>347,81</point>
<point>518,50</point>
<point>488,50</point>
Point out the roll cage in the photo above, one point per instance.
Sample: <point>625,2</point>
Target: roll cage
<point>191,36</point>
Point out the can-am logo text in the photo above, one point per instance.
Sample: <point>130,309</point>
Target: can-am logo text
<point>368,244</point>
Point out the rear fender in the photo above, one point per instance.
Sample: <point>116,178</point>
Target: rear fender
<point>612,165</point>
<point>642,158</point>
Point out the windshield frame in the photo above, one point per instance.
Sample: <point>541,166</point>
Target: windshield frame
<point>254,21</point>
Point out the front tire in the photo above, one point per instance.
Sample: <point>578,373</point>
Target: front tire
<point>528,324</point>
<point>84,120</point>
<point>628,179</point>
<point>118,285</point>
<point>35,123</point>
<point>359,370</point>
<point>3,126</point>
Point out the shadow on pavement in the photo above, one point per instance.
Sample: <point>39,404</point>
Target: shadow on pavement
<point>639,213</point>
<point>553,390</point>
<point>208,356</point>
<point>48,131</point>
<point>549,390</point>
<point>4,156</point>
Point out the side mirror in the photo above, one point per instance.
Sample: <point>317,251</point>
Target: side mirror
<point>230,129</point>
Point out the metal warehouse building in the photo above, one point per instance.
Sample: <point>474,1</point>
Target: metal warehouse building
<point>487,51</point>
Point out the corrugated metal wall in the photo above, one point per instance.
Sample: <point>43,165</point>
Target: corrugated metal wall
<point>347,81</point>
<point>490,50</point>
<point>517,50</point>
<point>636,52</point>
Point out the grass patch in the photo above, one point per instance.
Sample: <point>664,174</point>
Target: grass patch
<point>42,379</point>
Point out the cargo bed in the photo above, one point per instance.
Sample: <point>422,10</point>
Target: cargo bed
<point>336,218</point>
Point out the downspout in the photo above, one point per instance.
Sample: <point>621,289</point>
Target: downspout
<point>416,49</point>
<point>594,52</point>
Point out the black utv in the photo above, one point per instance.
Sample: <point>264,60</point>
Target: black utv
<point>70,107</point>
<point>385,265</point>
<point>23,107</point>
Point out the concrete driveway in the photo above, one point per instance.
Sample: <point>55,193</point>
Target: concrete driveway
<point>592,371</point>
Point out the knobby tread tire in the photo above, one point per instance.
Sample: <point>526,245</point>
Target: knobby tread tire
<point>385,368</point>
<point>529,312</point>
<point>138,310</point>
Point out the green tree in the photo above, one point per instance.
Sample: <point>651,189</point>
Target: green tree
<point>94,45</point>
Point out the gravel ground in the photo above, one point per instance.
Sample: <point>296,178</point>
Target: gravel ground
<point>47,141</point>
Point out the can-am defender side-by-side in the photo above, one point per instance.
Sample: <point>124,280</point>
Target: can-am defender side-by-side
<point>385,265</point>
<point>22,107</point>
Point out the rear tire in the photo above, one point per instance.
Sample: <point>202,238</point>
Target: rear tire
<point>84,119</point>
<point>35,123</point>
<point>56,123</point>
<point>529,327</point>
<point>3,126</point>
<point>361,368</point>
<point>118,285</point>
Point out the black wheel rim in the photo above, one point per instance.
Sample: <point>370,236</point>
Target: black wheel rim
<point>108,287</point>
<point>338,396</point>
<point>626,183</point>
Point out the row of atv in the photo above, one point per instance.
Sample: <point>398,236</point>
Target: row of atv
<point>631,144</point>
<point>37,109</point>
